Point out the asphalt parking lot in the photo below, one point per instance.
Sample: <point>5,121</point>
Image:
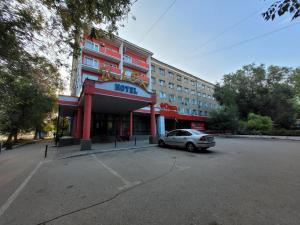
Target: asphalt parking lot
<point>240,181</point>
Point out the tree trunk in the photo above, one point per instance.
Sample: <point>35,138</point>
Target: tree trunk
<point>15,137</point>
<point>35,135</point>
<point>8,143</point>
<point>76,55</point>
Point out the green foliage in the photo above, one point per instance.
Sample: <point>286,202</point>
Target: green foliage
<point>280,7</point>
<point>258,122</point>
<point>223,119</point>
<point>264,91</point>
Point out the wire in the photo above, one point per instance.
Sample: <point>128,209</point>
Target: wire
<point>156,22</point>
<point>247,40</point>
<point>229,28</point>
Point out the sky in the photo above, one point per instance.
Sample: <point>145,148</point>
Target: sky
<point>211,38</point>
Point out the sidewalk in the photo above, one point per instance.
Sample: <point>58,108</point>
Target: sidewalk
<point>74,150</point>
<point>289,138</point>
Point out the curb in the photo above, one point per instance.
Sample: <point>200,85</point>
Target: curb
<point>283,138</point>
<point>90,152</point>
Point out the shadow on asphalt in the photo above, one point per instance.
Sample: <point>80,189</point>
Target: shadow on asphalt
<point>197,152</point>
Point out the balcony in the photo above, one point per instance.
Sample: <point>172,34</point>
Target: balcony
<point>97,69</point>
<point>136,63</point>
<point>113,70</point>
<point>103,52</point>
<point>142,77</point>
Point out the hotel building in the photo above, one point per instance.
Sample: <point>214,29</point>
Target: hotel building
<point>118,90</point>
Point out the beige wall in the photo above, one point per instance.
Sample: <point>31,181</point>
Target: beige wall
<point>190,89</point>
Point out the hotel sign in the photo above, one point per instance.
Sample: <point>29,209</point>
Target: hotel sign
<point>125,88</point>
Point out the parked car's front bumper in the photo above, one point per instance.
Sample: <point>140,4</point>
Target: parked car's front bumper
<point>206,144</point>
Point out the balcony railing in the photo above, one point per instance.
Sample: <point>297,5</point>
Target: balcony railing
<point>108,52</point>
<point>111,69</point>
<point>136,63</point>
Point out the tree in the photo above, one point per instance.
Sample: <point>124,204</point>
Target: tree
<point>77,16</point>
<point>279,8</point>
<point>28,94</point>
<point>267,92</point>
<point>223,119</point>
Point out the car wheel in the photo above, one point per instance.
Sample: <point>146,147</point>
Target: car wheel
<point>161,144</point>
<point>190,147</point>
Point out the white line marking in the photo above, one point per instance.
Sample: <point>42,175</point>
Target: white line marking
<point>13,197</point>
<point>127,183</point>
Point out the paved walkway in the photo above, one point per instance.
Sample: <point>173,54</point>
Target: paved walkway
<point>291,138</point>
<point>74,150</point>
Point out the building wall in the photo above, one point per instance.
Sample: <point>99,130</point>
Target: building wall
<point>195,97</point>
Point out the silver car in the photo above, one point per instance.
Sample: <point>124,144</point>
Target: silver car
<point>187,138</point>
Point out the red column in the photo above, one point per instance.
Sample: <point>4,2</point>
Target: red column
<point>87,116</point>
<point>78,122</point>
<point>153,122</point>
<point>130,124</point>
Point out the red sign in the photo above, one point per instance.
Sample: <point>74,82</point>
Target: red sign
<point>197,126</point>
<point>168,106</point>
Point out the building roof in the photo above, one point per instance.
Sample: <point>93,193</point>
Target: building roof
<point>180,71</point>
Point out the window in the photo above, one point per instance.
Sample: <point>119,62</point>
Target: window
<point>187,101</point>
<point>179,88</point>
<point>162,83</point>
<point>194,112</point>
<point>183,133</point>
<point>172,98</point>
<point>186,80</point>
<point>171,75</point>
<point>194,102</point>
<point>199,103</point>
<point>162,94</point>
<point>128,73</point>
<point>154,91</point>
<point>200,113</point>
<point>127,58</point>
<point>171,85</point>
<point>153,80</point>
<point>199,94</point>
<point>152,68</point>
<point>172,133</point>
<point>193,92</point>
<point>91,62</point>
<point>204,95</point>
<point>181,110</point>
<point>192,83</point>
<point>198,85</point>
<point>161,72</point>
<point>186,90</point>
<point>89,77</point>
<point>178,77</point>
<point>91,45</point>
<point>180,99</point>
<point>188,111</point>
<point>203,86</point>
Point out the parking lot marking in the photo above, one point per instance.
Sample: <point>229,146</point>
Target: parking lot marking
<point>127,183</point>
<point>13,197</point>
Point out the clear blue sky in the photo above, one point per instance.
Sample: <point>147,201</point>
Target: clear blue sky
<point>189,24</point>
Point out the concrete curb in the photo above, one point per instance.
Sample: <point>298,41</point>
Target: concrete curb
<point>284,138</point>
<point>90,152</point>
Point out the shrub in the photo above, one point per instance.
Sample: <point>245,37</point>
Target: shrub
<point>259,123</point>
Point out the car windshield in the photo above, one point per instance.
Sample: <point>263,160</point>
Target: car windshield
<point>195,132</point>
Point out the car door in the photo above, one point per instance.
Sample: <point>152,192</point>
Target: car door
<point>170,138</point>
<point>182,137</point>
